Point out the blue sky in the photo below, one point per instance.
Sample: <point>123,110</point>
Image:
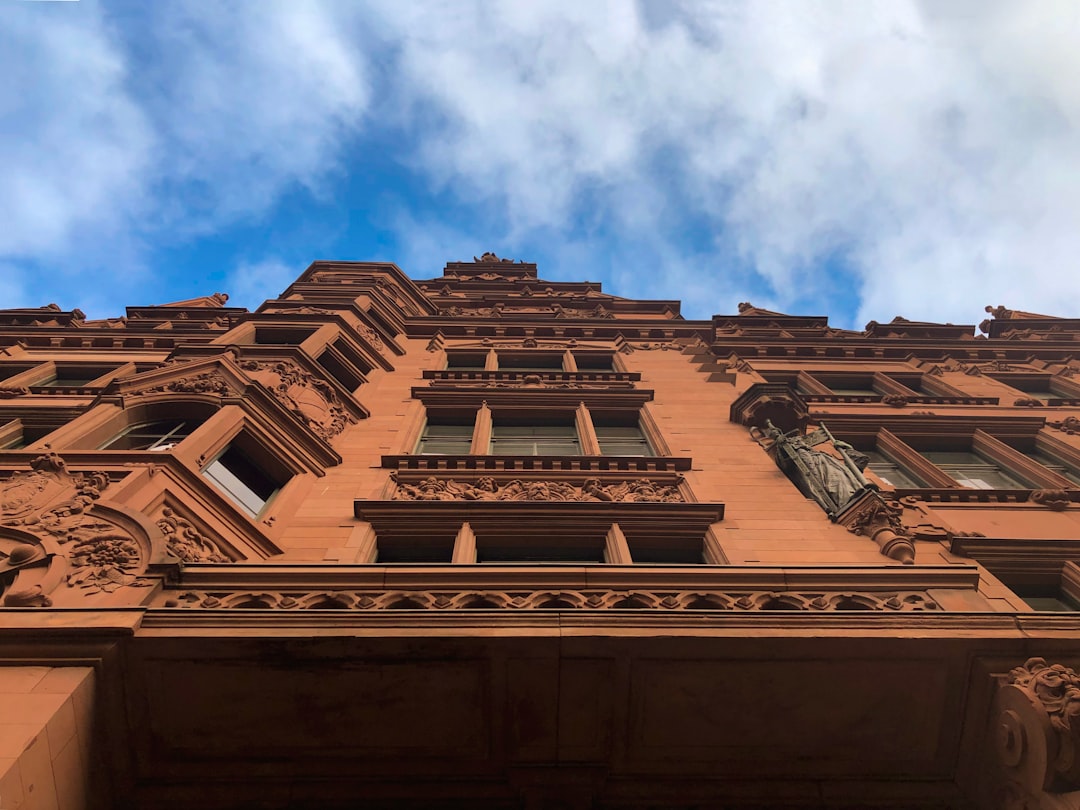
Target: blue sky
<point>857,159</point>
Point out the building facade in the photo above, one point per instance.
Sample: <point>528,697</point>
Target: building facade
<point>492,541</point>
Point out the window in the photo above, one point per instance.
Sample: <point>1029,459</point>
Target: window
<point>950,459</point>
<point>1054,600</point>
<point>446,437</point>
<point>466,361</point>
<point>889,471</point>
<point>154,436</point>
<point>1042,387</point>
<point>531,361</point>
<point>622,440</point>
<point>513,438</point>
<point>595,362</point>
<point>282,335</point>
<point>248,481</point>
<point>344,365</point>
<point>1054,464</point>
<point>972,470</point>
<point>559,431</point>
<point>75,376</point>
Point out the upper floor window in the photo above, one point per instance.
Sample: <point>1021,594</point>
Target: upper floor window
<point>246,477</point>
<point>156,436</point>
<point>530,361</point>
<point>531,439</point>
<point>972,470</point>
<point>76,376</point>
<point>558,431</point>
<point>446,436</point>
<point>977,460</point>
<point>622,440</point>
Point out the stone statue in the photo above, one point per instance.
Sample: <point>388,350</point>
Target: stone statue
<point>833,482</point>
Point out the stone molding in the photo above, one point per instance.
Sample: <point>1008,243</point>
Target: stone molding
<point>640,490</point>
<point>558,599</point>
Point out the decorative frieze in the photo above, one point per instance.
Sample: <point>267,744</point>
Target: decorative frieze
<point>572,599</point>
<point>640,490</point>
<point>210,382</point>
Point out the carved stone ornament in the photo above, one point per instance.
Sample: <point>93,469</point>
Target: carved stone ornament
<point>1057,500</point>
<point>209,382</point>
<point>184,540</point>
<point>372,337</point>
<point>490,258</point>
<point>880,520</point>
<point>313,400</point>
<point>641,490</point>
<point>1036,726</point>
<point>895,400</point>
<point>1070,425</point>
<point>599,599</point>
<point>58,506</point>
<point>10,392</point>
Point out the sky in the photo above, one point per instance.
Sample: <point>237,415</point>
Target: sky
<point>857,159</point>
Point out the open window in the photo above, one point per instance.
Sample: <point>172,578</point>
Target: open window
<point>247,475</point>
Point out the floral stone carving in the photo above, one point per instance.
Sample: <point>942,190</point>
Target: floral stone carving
<point>210,382</point>
<point>186,542</point>
<point>487,489</point>
<point>52,503</point>
<point>1037,734</point>
<point>313,400</point>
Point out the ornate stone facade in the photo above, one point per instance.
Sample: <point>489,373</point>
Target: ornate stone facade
<point>488,540</point>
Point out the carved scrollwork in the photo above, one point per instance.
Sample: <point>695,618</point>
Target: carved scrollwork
<point>52,503</point>
<point>571,599</point>
<point>641,490</point>
<point>1070,425</point>
<point>312,399</point>
<point>880,520</point>
<point>1057,500</point>
<point>1037,718</point>
<point>184,540</point>
<point>372,337</point>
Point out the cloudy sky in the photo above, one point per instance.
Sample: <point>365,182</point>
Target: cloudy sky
<point>858,159</point>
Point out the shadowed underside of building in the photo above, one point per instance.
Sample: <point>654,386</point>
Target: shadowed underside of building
<point>493,541</point>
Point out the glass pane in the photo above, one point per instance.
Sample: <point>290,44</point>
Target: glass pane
<point>156,436</point>
<point>971,470</point>
<point>622,440</point>
<point>1052,463</point>
<point>889,471</point>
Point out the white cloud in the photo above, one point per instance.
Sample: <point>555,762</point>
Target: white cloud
<point>126,133</point>
<point>715,151</point>
<point>935,152</point>
<point>73,144</point>
<point>252,282</point>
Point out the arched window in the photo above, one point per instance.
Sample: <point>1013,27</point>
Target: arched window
<point>158,436</point>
